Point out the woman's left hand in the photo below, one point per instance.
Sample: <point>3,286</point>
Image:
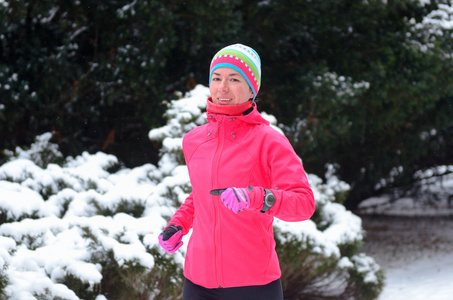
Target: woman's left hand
<point>235,199</point>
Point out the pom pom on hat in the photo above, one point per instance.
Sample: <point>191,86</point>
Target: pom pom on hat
<point>243,59</point>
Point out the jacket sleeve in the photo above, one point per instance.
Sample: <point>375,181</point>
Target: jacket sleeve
<point>289,183</point>
<point>184,215</point>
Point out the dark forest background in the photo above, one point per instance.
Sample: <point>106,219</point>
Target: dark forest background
<point>364,85</point>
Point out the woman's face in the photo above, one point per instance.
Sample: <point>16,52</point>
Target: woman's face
<point>229,87</point>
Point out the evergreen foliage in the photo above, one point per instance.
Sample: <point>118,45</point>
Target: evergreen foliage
<point>363,85</point>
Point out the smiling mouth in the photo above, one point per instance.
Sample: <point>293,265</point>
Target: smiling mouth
<point>224,99</point>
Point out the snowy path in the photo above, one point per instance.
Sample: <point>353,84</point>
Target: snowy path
<point>430,278</point>
<point>416,254</point>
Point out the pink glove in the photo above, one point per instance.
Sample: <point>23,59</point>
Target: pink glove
<point>170,238</point>
<point>236,199</point>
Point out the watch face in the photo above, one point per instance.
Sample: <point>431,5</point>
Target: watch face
<point>269,198</point>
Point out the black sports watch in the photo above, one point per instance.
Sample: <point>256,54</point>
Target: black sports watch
<point>269,200</point>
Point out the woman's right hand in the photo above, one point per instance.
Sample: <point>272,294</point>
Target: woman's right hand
<point>171,238</point>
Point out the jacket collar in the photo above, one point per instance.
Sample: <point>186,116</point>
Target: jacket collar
<point>254,117</point>
<point>229,110</point>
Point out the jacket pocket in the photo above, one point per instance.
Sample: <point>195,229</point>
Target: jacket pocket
<point>264,233</point>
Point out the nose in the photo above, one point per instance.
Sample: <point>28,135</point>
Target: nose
<point>223,86</point>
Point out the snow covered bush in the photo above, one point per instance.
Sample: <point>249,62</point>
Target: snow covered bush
<point>76,229</point>
<point>319,258</point>
<point>41,152</point>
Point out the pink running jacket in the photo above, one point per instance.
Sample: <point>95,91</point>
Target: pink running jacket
<point>228,249</point>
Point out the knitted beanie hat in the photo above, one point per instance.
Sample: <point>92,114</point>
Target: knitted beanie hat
<point>243,59</point>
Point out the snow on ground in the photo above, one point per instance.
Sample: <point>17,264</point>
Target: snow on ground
<point>427,278</point>
<point>412,239</point>
<point>415,253</point>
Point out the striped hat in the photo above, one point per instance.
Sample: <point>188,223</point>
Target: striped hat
<point>243,59</point>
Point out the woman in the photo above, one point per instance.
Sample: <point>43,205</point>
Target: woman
<point>243,174</point>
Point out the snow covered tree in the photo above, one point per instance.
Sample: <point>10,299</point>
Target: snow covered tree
<point>80,230</point>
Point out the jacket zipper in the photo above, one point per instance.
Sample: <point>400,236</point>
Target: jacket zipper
<point>215,165</point>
